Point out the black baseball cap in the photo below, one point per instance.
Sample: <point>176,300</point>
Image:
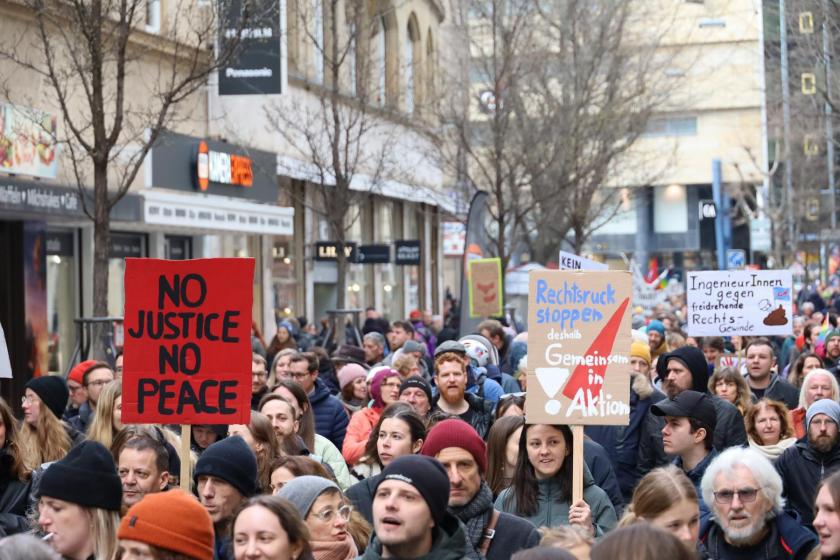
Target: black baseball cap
<point>689,404</point>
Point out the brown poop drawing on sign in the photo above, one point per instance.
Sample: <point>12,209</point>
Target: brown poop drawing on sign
<point>776,317</point>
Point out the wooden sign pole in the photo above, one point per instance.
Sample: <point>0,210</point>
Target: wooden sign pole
<point>186,475</point>
<point>577,463</point>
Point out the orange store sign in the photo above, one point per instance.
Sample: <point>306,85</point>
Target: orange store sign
<point>223,168</point>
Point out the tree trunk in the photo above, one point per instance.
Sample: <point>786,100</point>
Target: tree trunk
<point>101,245</point>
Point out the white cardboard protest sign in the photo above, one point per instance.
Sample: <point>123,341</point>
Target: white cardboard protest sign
<point>5,363</point>
<point>740,302</point>
<point>570,261</point>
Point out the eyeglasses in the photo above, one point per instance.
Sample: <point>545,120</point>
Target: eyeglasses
<point>293,375</point>
<point>328,515</point>
<point>746,495</point>
<point>99,382</point>
<point>391,385</point>
<point>259,374</point>
<point>27,399</point>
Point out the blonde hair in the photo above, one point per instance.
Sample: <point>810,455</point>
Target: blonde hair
<point>102,427</point>
<point>103,532</point>
<point>44,442</point>
<point>566,536</point>
<point>656,492</point>
<point>404,363</point>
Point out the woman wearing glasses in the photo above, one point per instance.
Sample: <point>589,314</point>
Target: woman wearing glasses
<point>326,513</point>
<point>384,389</point>
<point>44,436</point>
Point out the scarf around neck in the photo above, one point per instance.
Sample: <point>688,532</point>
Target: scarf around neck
<point>475,515</point>
<point>772,452</point>
<point>332,550</point>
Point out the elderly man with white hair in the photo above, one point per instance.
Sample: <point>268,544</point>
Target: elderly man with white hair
<point>812,458</point>
<point>748,520</point>
<point>818,384</point>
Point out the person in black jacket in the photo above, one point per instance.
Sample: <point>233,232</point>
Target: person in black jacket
<point>14,487</point>
<point>763,383</point>
<point>463,454</point>
<point>452,398</point>
<point>330,417</point>
<point>685,368</point>
<point>803,465</point>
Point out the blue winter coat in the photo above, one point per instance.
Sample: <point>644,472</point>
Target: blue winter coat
<point>330,417</point>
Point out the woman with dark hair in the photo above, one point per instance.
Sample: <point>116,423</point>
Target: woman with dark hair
<point>319,446</point>
<point>728,384</point>
<point>541,490</point>
<point>400,431</point>
<point>804,363</point>
<point>14,488</point>
<point>502,449</point>
<point>384,390</point>
<point>283,339</point>
<point>512,404</point>
<point>827,516</point>
<point>271,528</point>
<point>260,437</point>
<point>352,378</point>
<point>288,467</point>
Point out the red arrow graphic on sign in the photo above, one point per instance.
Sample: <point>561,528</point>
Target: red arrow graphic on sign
<point>601,346</point>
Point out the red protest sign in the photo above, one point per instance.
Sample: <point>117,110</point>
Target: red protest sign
<point>187,353</point>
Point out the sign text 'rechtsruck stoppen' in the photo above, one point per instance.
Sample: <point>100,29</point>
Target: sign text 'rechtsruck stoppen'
<point>187,355</point>
<point>578,347</point>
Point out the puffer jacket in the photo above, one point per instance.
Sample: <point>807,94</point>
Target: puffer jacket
<point>553,507</point>
<point>449,542</point>
<point>330,417</point>
<point>358,431</point>
<point>482,410</point>
<point>802,468</point>
<point>331,456</point>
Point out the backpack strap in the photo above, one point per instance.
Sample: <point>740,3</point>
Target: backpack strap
<point>489,533</point>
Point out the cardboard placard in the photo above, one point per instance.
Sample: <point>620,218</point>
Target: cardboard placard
<point>743,302</point>
<point>578,347</point>
<point>485,287</point>
<point>187,354</point>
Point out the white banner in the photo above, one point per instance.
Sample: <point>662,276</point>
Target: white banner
<point>570,261</point>
<point>744,302</point>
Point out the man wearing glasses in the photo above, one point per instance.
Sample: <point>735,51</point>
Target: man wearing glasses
<point>745,495</point>
<point>259,380</point>
<point>811,459</point>
<point>94,379</point>
<point>330,417</point>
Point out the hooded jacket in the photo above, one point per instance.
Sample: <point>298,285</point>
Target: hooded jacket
<point>330,418</point>
<point>801,468</point>
<point>693,359</point>
<point>553,507</point>
<point>482,412</point>
<point>449,542</point>
<point>786,539</point>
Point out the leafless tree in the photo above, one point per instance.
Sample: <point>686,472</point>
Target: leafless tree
<point>116,86</point>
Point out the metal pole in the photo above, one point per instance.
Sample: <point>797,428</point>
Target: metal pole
<point>717,194</point>
<point>829,126</point>
<point>786,121</point>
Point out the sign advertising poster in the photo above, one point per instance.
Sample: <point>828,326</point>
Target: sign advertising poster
<point>28,144</point>
<point>485,287</point>
<point>187,341</point>
<point>579,347</point>
<point>743,302</point>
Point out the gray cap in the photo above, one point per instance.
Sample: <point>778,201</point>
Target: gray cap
<point>413,346</point>
<point>304,490</point>
<point>450,346</point>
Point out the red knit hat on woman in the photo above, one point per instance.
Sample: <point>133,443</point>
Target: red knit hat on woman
<point>456,433</point>
<point>172,521</point>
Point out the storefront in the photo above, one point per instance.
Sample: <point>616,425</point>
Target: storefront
<point>206,198</point>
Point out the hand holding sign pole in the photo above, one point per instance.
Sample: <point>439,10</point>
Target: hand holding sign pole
<point>187,353</point>
<point>578,346</point>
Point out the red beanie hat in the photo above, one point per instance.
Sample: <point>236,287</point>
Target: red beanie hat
<point>77,374</point>
<point>172,521</point>
<point>456,433</point>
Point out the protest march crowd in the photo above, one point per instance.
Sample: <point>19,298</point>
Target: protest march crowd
<point>411,443</point>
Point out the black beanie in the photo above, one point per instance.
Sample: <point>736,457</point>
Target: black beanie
<point>52,389</point>
<point>419,383</point>
<point>232,461</point>
<point>693,359</point>
<point>87,476</point>
<point>427,475</point>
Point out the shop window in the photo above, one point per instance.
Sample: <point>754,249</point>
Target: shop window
<point>62,302</point>
<point>123,245</point>
<point>177,247</point>
<point>412,272</point>
<point>390,289</point>
<point>318,47</point>
<point>411,54</point>
<point>676,126</point>
<point>283,280</point>
<point>670,210</point>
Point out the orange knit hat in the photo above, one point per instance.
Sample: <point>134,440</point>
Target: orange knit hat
<point>172,521</point>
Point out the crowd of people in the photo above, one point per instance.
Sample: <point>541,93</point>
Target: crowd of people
<point>413,443</point>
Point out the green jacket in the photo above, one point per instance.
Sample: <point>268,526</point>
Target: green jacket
<point>330,455</point>
<point>450,543</point>
<point>553,511</point>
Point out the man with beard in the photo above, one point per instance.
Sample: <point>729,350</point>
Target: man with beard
<point>452,398</point>
<point>683,369</point>
<point>491,534</point>
<point>810,460</point>
<point>656,338</point>
<point>745,495</point>
<point>832,350</point>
